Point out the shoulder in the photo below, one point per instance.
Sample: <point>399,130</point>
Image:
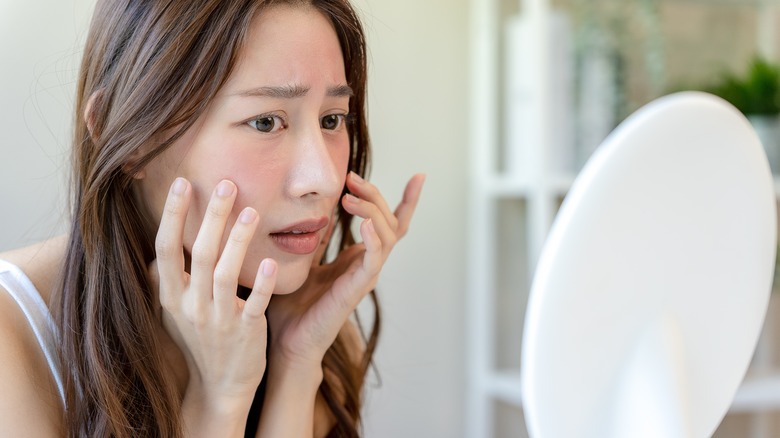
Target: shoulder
<point>30,405</point>
<point>41,262</point>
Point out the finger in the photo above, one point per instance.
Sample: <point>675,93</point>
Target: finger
<point>229,265</point>
<point>363,278</point>
<point>168,243</point>
<point>153,271</point>
<point>365,190</point>
<point>317,260</point>
<point>258,300</point>
<point>373,258</point>
<point>349,255</point>
<point>405,209</point>
<point>366,209</point>
<point>205,250</point>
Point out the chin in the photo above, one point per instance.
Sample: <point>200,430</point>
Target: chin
<point>290,279</point>
<point>291,276</point>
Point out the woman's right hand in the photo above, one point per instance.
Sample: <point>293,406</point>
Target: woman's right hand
<point>222,337</point>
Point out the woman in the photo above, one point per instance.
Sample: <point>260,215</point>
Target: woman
<point>218,151</point>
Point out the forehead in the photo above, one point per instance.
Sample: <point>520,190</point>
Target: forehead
<point>289,44</point>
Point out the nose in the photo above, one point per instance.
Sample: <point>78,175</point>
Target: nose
<point>314,171</point>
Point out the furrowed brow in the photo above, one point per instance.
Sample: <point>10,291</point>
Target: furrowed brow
<point>276,92</point>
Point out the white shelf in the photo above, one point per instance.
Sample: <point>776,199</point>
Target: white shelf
<point>508,187</point>
<point>556,185</point>
<point>756,393</point>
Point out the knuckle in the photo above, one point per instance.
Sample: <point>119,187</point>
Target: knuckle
<point>201,256</point>
<point>217,209</point>
<point>164,246</point>
<point>196,315</point>
<point>201,263</point>
<point>380,245</point>
<point>371,190</point>
<point>239,237</point>
<point>222,277</point>
<point>254,314</point>
<point>173,207</point>
<point>199,321</point>
<point>401,230</point>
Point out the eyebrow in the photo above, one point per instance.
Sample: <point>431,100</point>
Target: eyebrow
<point>294,91</point>
<point>340,91</point>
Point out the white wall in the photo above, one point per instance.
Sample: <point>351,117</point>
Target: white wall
<point>418,117</point>
<point>419,121</point>
<point>38,59</point>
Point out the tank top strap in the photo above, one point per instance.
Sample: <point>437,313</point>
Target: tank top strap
<point>37,313</point>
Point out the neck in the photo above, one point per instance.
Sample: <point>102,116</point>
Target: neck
<point>174,358</point>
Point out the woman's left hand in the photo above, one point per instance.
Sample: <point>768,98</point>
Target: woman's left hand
<point>305,323</point>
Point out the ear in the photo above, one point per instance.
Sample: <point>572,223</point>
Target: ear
<point>89,112</point>
<point>94,102</point>
<point>141,174</point>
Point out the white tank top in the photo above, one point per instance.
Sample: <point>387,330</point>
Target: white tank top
<point>29,299</point>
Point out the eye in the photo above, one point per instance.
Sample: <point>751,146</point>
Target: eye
<point>333,122</point>
<point>267,124</point>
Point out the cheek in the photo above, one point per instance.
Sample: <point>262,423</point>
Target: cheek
<point>340,157</point>
<point>257,178</point>
<point>259,183</point>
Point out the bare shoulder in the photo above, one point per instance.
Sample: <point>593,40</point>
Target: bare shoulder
<point>41,262</point>
<point>30,405</point>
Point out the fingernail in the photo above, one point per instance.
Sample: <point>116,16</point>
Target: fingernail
<point>370,225</point>
<point>248,215</point>
<point>224,189</point>
<point>352,199</point>
<point>179,186</point>
<point>267,267</point>
<point>357,177</point>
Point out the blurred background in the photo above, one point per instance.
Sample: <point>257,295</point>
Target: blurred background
<point>549,80</point>
<point>500,103</point>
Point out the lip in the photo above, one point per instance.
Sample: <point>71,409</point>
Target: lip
<point>301,237</point>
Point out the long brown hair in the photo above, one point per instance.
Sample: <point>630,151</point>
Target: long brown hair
<point>153,67</point>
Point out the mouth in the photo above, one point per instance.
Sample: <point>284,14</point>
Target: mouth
<point>300,238</point>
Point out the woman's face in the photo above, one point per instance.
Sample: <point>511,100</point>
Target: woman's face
<point>277,130</point>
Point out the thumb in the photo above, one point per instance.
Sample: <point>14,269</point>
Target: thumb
<point>153,274</point>
<point>325,241</point>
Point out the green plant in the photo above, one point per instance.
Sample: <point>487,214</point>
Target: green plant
<point>756,93</point>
